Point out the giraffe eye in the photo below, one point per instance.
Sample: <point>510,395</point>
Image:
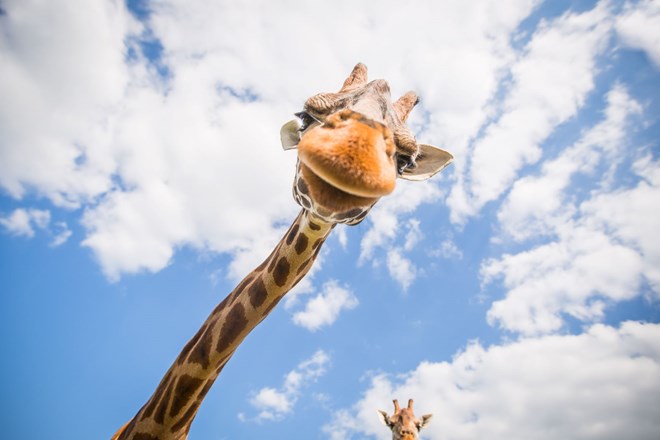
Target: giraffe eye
<point>306,120</point>
<point>403,162</point>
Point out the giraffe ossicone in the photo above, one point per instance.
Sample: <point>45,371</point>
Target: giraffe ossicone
<point>352,145</point>
<point>403,423</point>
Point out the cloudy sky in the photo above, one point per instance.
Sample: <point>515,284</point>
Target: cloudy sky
<point>514,296</point>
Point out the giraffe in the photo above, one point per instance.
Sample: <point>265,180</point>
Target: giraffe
<point>403,423</point>
<point>352,145</point>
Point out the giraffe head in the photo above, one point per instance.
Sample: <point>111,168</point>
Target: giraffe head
<point>352,146</point>
<point>403,423</point>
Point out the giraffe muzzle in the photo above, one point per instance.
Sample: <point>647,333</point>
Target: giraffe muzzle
<point>352,153</point>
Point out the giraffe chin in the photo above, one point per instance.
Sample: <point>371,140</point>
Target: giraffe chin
<point>352,153</point>
<point>327,202</point>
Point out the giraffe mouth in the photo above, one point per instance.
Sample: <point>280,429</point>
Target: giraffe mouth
<point>352,153</point>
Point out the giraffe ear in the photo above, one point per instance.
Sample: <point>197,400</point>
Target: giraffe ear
<point>426,419</point>
<point>430,161</point>
<point>382,415</point>
<point>290,134</point>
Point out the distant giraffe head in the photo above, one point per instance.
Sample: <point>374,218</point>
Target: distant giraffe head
<point>403,423</point>
<point>352,146</point>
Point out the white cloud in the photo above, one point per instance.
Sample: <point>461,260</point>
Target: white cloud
<point>632,216</point>
<point>274,404</point>
<point>413,236</point>
<point>342,235</point>
<point>400,268</point>
<point>549,84</point>
<point>62,234</point>
<point>324,309</point>
<point>603,384</point>
<point>536,204</point>
<point>18,223</point>
<point>131,231</point>
<point>602,257</point>
<point>21,222</point>
<point>599,251</point>
<point>64,75</point>
<point>639,28</point>
<point>577,275</point>
<point>448,250</point>
<point>386,228</point>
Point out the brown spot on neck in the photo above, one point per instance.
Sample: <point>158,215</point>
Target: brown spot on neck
<point>201,352</point>
<point>292,234</point>
<point>233,325</point>
<point>281,271</point>
<point>185,388</point>
<point>257,293</point>
<point>301,243</point>
<point>161,410</point>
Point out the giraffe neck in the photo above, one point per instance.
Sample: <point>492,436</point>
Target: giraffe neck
<point>171,409</point>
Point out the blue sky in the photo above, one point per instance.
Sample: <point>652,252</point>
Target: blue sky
<point>141,177</point>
